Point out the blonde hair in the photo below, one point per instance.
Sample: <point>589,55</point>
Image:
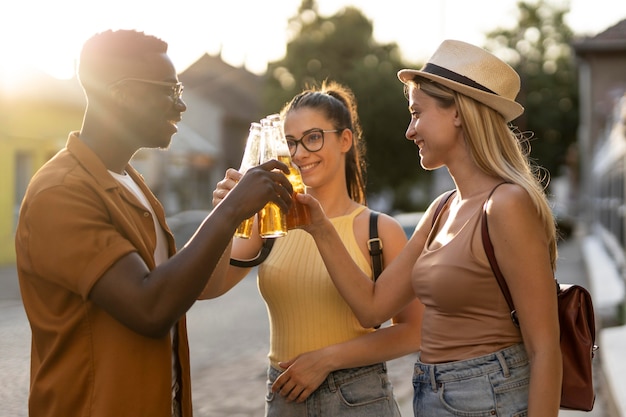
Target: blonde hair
<point>498,150</point>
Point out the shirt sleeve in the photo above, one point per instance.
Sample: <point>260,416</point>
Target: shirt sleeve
<point>69,237</point>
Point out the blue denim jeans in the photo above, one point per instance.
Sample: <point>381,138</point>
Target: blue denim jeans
<point>357,392</point>
<point>490,385</point>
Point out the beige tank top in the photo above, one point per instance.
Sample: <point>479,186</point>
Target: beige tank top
<point>465,314</point>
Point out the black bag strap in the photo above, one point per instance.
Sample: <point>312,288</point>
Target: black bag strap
<point>257,260</point>
<point>375,246</point>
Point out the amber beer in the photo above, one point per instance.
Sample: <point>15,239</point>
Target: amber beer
<point>272,220</point>
<point>298,214</point>
<point>244,231</point>
<point>251,158</point>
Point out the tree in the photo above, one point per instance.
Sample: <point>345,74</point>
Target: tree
<point>539,49</point>
<point>341,47</point>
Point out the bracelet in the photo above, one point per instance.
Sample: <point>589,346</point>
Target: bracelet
<point>263,254</point>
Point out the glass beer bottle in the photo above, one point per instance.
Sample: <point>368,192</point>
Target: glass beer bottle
<point>298,214</point>
<point>272,220</point>
<point>251,158</point>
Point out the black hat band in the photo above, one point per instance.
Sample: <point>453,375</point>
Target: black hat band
<point>453,76</point>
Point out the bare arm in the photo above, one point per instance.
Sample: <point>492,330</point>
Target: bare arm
<point>521,248</point>
<point>150,302</point>
<point>226,276</point>
<point>371,303</point>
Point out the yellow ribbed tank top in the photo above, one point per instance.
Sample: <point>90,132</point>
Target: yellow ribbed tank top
<point>305,309</point>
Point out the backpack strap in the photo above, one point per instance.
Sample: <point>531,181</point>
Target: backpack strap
<point>375,245</point>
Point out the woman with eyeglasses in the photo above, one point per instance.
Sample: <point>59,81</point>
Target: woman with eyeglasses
<point>322,360</point>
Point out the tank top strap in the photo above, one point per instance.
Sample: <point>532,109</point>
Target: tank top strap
<point>355,212</point>
<point>347,219</point>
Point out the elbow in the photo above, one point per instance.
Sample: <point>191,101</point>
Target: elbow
<point>369,315</point>
<point>210,293</point>
<point>371,324</point>
<point>152,330</point>
<point>152,327</point>
<point>156,332</point>
<point>214,290</point>
<point>370,321</point>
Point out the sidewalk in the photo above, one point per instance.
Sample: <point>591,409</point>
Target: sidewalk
<point>9,286</point>
<point>606,285</point>
<point>578,263</point>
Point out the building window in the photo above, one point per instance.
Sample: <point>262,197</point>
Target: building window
<point>23,172</point>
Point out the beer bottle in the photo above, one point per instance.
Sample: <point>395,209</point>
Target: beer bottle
<point>298,214</point>
<point>272,220</point>
<point>251,158</point>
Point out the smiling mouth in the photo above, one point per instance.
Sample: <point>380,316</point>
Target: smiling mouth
<point>308,166</point>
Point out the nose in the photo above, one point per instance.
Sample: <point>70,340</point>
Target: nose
<point>300,151</point>
<point>180,105</point>
<point>410,130</point>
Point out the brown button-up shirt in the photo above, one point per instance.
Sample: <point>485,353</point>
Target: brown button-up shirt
<point>76,221</point>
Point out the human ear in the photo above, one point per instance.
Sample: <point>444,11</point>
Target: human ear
<point>346,140</point>
<point>457,118</point>
<point>119,95</point>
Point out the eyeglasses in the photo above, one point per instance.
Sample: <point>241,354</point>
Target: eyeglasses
<point>312,140</point>
<point>176,89</point>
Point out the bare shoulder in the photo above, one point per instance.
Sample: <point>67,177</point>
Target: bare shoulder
<point>509,199</point>
<point>388,226</point>
<point>511,210</point>
<point>387,221</point>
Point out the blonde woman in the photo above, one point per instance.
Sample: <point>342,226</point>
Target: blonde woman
<point>473,360</point>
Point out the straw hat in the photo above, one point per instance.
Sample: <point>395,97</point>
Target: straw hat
<point>474,72</point>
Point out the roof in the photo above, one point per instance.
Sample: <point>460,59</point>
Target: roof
<point>236,90</point>
<point>612,39</point>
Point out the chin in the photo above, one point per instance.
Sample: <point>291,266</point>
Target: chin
<point>163,143</point>
<point>429,167</point>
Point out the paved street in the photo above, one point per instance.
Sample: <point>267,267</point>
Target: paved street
<point>228,342</point>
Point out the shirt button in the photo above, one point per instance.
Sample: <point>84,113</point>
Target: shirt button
<point>146,214</point>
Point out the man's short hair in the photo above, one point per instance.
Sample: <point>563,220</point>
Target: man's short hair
<point>107,56</point>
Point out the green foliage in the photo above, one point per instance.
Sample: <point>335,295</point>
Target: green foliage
<point>539,49</point>
<point>342,48</point>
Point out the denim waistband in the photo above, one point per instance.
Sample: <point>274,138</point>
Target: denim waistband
<point>339,377</point>
<point>510,357</point>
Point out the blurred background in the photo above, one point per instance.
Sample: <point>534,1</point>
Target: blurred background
<point>242,60</point>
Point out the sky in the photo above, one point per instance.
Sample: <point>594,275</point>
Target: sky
<point>48,34</point>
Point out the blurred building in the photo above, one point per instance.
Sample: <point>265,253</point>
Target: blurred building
<point>601,60</point>
<point>35,119</point>
<point>37,116</point>
<point>222,101</point>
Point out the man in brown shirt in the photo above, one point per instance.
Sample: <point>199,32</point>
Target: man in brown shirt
<point>103,289</point>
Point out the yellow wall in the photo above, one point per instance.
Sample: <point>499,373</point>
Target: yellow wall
<point>40,130</point>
